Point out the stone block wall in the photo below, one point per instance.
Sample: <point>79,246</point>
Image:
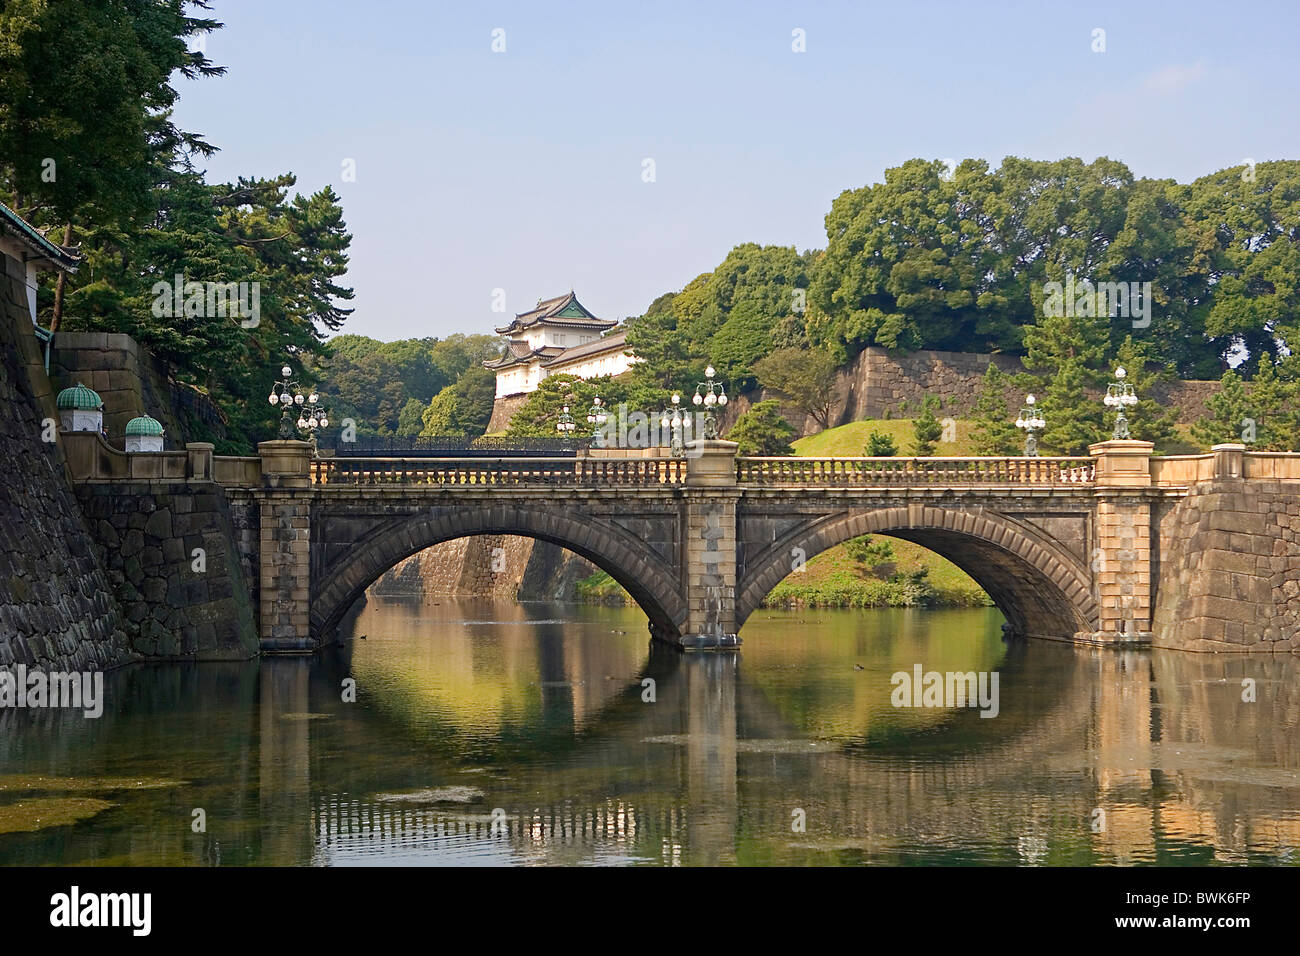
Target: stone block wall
<point>1229,568</point>
<point>503,409</point>
<point>284,592</point>
<point>55,610</point>
<point>174,604</point>
<point>1122,566</point>
<point>132,382</point>
<point>504,567</point>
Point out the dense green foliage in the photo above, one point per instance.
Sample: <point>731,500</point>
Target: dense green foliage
<point>90,153</point>
<point>1050,260</point>
<point>729,317</point>
<point>1264,414</point>
<point>462,409</point>
<point>387,388</point>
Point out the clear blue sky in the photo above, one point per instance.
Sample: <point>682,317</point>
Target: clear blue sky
<point>522,170</point>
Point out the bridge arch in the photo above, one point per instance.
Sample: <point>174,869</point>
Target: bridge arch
<point>1040,588</point>
<point>612,549</point>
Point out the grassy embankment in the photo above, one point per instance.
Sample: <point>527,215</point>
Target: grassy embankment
<point>833,579</point>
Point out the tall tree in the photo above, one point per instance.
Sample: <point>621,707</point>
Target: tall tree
<point>85,100</point>
<point>805,376</point>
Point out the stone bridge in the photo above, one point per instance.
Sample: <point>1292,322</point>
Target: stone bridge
<point>1117,547</point>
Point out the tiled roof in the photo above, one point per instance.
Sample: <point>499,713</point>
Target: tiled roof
<point>519,352</point>
<point>548,311</point>
<point>610,343</point>
<point>45,251</point>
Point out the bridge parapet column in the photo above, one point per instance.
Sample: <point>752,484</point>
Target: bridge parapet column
<point>1229,460</point>
<point>198,455</point>
<point>1121,562</point>
<point>710,535</point>
<point>285,552</point>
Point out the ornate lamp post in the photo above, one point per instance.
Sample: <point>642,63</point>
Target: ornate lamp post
<point>314,415</point>
<point>676,421</point>
<point>709,393</point>
<point>596,416</point>
<point>566,425</point>
<point>1119,396</point>
<point>1032,423</point>
<point>288,395</point>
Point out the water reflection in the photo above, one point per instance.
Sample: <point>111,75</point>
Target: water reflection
<point>512,735</point>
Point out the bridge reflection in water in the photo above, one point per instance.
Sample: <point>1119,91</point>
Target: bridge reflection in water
<point>1096,756</point>
<point>541,714</point>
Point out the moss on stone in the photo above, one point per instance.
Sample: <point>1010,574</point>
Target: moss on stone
<point>40,813</point>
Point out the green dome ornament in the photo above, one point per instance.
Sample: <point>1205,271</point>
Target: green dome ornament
<point>79,397</point>
<point>144,425</point>
<point>80,409</point>
<point>144,434</point>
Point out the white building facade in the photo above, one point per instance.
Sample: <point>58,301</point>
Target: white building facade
<point>559,336</point>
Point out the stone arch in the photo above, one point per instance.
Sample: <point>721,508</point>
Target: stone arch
<point>1041,590</point>
<point>612,549</point>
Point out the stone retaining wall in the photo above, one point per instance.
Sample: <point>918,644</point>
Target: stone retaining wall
<point>1229,568</point>
<point>175,604</point>
<point>503,409</point>
<point>55,610</point>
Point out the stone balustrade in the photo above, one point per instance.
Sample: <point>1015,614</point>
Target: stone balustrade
<point>498,471</point>
<point>864,472</point>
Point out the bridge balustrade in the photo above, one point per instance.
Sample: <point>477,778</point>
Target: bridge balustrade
<point>583,472</point>
<point>861,472</point>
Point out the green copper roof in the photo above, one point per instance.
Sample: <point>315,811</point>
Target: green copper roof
<point>144,425</point>
<point>80,397</point>
<point>56,255</point>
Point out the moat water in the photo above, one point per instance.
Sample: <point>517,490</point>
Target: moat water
<point>503,735</point>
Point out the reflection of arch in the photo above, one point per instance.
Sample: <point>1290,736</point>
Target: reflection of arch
<point>612,549</point>
<point>1040,589</point>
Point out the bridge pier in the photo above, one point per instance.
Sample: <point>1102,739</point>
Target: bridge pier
<point>1122,554</point>
<point>709,568</point>
<point>285,547</point>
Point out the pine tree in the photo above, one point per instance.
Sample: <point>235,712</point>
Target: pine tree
<point>880,445</point>
<point>994,433</point>
<point>1260,414</point>
<point>1067,352</point>
<point>926,430</point>
<point>762,431</point>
